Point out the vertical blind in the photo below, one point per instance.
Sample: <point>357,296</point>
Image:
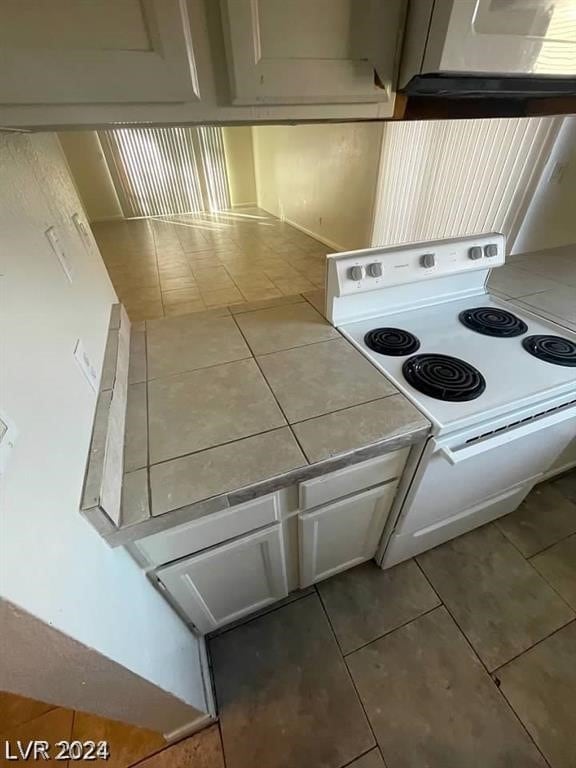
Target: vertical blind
<point>458,177</point>
<point>166,171</point>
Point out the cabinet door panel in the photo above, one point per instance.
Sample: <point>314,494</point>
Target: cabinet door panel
<point>95,51</point>
<point>343,534</point>
<point>229,581</point>
<point>310,51</point>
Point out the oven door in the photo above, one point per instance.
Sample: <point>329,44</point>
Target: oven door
<point>462,482</point>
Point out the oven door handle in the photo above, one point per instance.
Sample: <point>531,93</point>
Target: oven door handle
<point>503,438</point>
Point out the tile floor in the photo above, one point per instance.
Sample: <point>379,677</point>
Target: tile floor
<point>465,656</point>
<point>182,264</point>
<point>544,282</point>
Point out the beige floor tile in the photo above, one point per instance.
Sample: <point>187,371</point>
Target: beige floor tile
<point>175,283</point>
<point>135,278</point>
<point>148,310</point>
<point>180,295</point>
<point>221,298</point>
<point>139,295</point>
<point>203,750</point>
<point>185,308</point>
<point>215,282</point>
<point>127,743</point>
<point>53,726</point>
<point>254,281</point>
<point>296,285</point>
<point>174,272</point>
<point>260,293</point>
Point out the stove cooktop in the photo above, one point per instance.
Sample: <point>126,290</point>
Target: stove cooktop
<point>496,373</point>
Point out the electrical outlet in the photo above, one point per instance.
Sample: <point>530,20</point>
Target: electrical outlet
<point>81,357</point>
<point>82,230</point>
<point>8,434</point>
<point>557,173</point>
<point>54,240</point>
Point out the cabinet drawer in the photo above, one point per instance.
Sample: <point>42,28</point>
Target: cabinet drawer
<point>351,479</point>
<point>210,530</point>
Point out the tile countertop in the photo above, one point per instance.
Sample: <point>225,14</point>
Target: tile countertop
<point>227,405</point>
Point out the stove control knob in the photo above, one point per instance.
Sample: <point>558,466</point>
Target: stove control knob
<point>356,273</point>
<point>428,260</point>
<point>490,250</point>
<point>475,253</point>
<point>375,269</point>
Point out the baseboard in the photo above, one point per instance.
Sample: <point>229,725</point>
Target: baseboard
<point>245,205</point>
<point>206,677</point>
<point>106,218</point>
<point>189,729</point>
<point>204,720</point>
<point>330,243</point>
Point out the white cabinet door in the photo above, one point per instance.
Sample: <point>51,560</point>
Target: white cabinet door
<point>95,51</point>
<point>343,534</point>
<point>312,51</point>
<point>229,581</point>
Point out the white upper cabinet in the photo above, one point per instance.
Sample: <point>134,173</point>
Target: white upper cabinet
<point>312,51</point>
<point>95,52</point>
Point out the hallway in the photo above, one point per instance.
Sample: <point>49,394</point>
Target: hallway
<point>172,266</point>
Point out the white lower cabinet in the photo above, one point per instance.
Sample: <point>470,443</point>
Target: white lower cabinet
<point>229,581</point>
<point>343,534</point>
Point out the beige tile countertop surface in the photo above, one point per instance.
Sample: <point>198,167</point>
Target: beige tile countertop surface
<point>230,404</point>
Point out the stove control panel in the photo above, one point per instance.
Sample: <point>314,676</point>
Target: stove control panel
<point>357,272</point>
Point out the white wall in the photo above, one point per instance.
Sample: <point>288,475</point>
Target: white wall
<point>39,662</point>
<point>550,220</point>
<point>240,163</point>
<point>91,175</point>
<point>321,178</point>
<point>53,564</point>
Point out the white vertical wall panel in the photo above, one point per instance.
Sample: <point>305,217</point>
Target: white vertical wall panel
<point>458,177</point>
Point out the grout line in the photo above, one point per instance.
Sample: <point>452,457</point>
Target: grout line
<point>394,629</point>
<point>483,665</point>
<point>273,394</point>
<point>343,658</point>
<point>539,642</point>
<point>221,445</point>
<point>528,560</point>
<point>291,597</point>
<point>363,754</point>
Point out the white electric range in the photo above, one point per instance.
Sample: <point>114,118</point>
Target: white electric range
<point>498,384</point>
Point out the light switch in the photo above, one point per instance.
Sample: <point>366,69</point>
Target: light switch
<point>8,434</point>
<point>81,357</point>
<point>82,230</point>
<point>54,240</point>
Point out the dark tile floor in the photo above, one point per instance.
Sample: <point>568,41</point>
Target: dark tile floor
<point>464,658</point>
